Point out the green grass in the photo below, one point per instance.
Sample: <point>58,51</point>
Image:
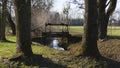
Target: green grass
<point>112,31</point>
<point>77,29</point>
<point>8,49</point>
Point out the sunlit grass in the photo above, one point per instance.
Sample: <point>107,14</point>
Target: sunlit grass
<point>7,49</point>
<point>78,29</point>
<point>11,38</point>
<point>112,31</point>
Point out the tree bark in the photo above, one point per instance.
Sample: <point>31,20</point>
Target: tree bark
<point>101,18</point>
<point>105,16</point>
<point>89,41</point>
<point>3,20</point>
<point>23,27</point>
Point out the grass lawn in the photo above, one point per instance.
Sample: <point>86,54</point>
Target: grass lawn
<point>112,31</point>
<point>76,29</point>
<point>109,49</point>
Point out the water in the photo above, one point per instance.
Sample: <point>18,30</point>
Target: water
<point>55,45</point>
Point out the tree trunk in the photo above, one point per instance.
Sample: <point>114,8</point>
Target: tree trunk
<point>3,21</point>
<point>23,27</point>
<point>89,41</point>
<point>103,28</point>
<point>12,25</point>
<point>101,18</point>
<point>105,16</point>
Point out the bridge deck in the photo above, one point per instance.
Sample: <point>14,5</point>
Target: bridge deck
<point>53,24</point>
<point>55,34</point>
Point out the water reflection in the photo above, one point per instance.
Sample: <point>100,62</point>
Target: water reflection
<point>55,44</point>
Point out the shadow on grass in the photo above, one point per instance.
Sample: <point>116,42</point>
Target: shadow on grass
<point>113,37</point>
<point>111,63</point>
<point>38,40</point>
<point>7,41</point>
<point>75,39</point>
<point>37,60</point>
<point>110,37</point>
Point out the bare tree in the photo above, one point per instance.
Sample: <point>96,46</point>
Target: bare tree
<point>66,11</point>
<point>80,3</point>
<point>89,41</point>
<point>23,27</point>
<point>104,15</point>
<point>40,15</point>
<point>42,4</point>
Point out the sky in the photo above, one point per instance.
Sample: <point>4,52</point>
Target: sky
<point>118,5</point>
<point>60,4</point>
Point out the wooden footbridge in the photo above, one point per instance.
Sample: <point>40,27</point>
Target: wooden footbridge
<point>51,32</point>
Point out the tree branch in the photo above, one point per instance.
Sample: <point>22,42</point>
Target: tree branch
<point>112,7</point>
<point>107,3</point>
